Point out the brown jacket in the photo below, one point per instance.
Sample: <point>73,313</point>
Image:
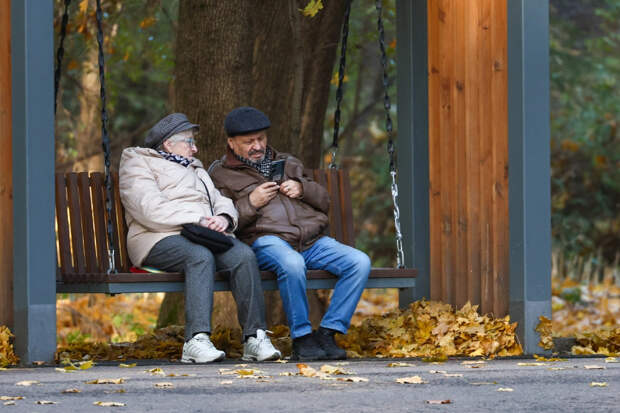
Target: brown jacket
<point>300,222</point>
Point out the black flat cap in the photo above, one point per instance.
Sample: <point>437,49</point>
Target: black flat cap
<point>244,120</point>
<point>165,128</point>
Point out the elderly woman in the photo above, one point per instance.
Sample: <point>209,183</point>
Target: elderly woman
<point>162,187</point>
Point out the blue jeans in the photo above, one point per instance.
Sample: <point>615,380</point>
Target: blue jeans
<point>351,266</point>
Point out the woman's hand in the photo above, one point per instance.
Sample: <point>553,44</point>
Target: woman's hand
<point>217,223</point>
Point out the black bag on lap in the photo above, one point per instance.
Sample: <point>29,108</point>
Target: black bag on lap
<point>217,242</point>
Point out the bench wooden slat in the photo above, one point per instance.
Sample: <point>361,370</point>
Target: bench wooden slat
<point>335,207</point>
<point>347,213</point>
<point>77,237</point>
<point>64,247</point>
<point>96,184</point>
<point>121,226</point>
<point>117,253</point>
<point>87,222</point>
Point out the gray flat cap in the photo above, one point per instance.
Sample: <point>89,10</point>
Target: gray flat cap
<point>245,119</point>
<point>165,128</point>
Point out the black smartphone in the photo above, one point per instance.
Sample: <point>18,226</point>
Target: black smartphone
<point>277,171</point>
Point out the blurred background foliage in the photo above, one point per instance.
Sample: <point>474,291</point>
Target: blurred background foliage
<point>585,144</point>
<point>585,63</point>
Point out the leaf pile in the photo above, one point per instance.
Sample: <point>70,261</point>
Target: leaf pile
<point>435,330</point>
<point>7,355</point>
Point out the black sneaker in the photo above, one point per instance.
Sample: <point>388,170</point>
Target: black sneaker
<point>325,338</point>
<point>307,348</point>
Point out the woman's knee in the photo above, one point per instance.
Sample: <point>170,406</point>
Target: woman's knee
<point>199,255</point>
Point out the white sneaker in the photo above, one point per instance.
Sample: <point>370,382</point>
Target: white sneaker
<point>200,349</point>
<point>260,348</point>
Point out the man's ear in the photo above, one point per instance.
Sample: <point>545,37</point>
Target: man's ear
<point>230,142</point>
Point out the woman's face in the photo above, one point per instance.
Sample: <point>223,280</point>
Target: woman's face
<point>183,143</point>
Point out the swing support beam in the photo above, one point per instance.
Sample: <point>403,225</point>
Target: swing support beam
<point>34,256</point>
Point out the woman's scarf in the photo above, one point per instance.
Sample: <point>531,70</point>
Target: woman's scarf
<point>175,158</point>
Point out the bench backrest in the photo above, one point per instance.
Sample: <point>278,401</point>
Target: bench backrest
<point>81,219</point>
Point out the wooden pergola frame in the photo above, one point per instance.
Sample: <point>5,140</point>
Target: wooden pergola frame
<point>32,139</point>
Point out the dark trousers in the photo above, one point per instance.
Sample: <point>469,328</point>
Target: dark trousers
<point>177,254</point>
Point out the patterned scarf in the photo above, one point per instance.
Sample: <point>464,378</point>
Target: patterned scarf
<point>175,158</point>
<point>263,167</point>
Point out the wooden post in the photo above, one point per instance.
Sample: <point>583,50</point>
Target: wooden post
<point>6,170</point>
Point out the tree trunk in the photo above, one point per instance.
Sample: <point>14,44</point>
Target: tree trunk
<point>264,54</point>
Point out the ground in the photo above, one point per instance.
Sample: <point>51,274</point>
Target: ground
<point>527,385</point>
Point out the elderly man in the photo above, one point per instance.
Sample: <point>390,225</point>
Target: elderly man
<point>284,224</point>
<point>162,187</point>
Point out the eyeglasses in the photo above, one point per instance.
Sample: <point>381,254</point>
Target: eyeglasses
<point>189,141</point>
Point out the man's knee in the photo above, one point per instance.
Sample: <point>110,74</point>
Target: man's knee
<point>293,264</point>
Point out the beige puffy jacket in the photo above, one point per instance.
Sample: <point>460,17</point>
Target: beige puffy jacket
<point>159,196</point>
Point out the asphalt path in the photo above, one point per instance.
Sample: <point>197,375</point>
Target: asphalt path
<point>551,386</point>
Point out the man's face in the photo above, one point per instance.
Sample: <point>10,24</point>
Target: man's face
<point>251,146</point>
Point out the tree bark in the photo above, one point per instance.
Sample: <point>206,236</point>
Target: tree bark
<point>264,54</point>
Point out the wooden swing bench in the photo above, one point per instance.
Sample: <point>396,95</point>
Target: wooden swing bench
<point>82,252</point>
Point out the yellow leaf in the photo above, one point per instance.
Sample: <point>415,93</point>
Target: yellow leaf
<point>398,364</point>
<point>531,364</point>
<point>148,22</point>
<point>127,366</point>
<point>411,380</point>
<point>109,404</point>
<point>327,369</point>
<point>507,389</point>
<point>593,367</point>
<point>26,383</point>
<point>106,381</point>
<point>71,391</point>
<point>156,371</point>
<point>3,398</point>
<point>598,384</point>
<point>611,360</point>
<point>86,365</point>
<point>312,8</point>
<point>226,382</point>
<point>83,6</point>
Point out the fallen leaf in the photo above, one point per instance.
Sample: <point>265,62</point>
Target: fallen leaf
<point>156,372</point>
<point>611,360</point>
<point>85,365</point>
<point>437,371</point>
<point>9,403</point>
<point>127,366</point>
<point>327,369</point>
<point>531,364</point>
<point>593,367</point>
<point>281,361</point>
<point>505,389</point>
<point>453,375</point>
<point>106,381</point>
<point>226,382</point>
<point>241,365</point>
<point>306,370</point>
<point>45,402</point>
<point>411,380</point>
<point>399,364</point>
<point>438,401</point>
<point>247,372</point>
<point>598,384</point>
<point>71,391</point>
<point>164,385</point>
<point>109,404</point>
<point>287,373</point>
<point>115,391</point>
<point>482,383</point>
<point>353,379</point>
<point>466,362</point>
<point>11,398</point>
<point>26,383</point>
<point>342,363</point>
<point>226,371</point>
<point>557,368</point>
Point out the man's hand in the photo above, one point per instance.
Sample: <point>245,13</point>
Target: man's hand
<point>292,189</point>
<point>217,223</point>
<point>264,193</point>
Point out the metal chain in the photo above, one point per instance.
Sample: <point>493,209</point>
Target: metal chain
<point>105,139</point>
<point>339,91</point>
<point>61,51</point>
<point>400,255</point>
